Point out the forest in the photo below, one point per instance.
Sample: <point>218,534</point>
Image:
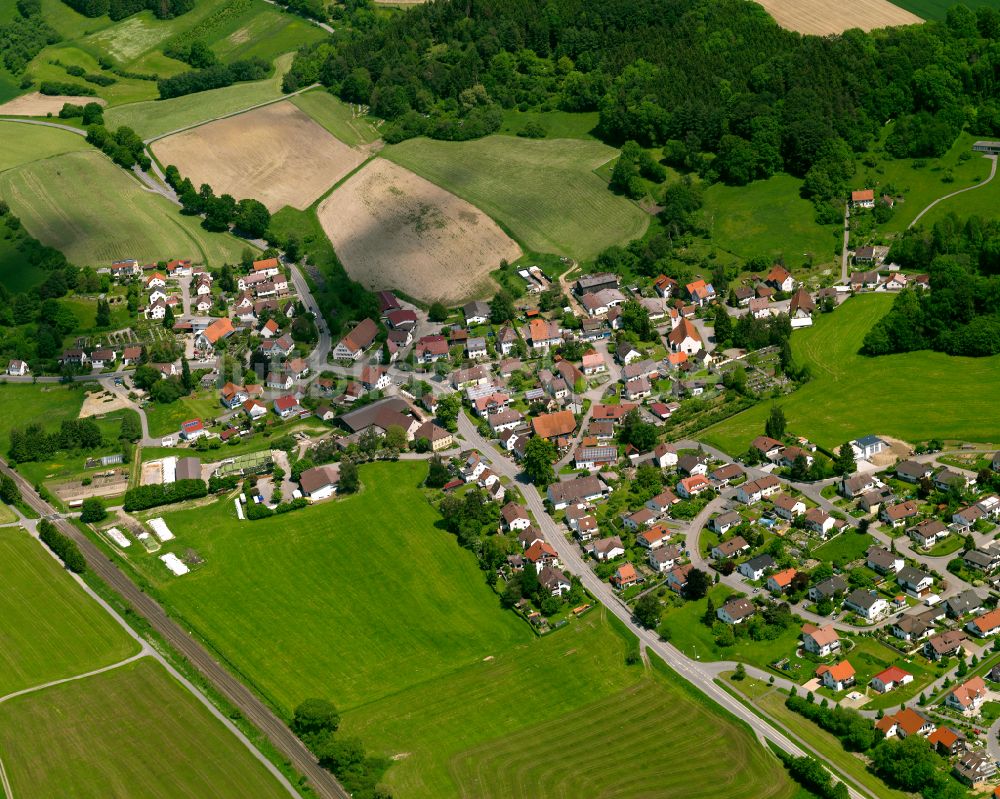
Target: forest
<point>715,83</point>
<point>119,9</point>
<point>960,314</point>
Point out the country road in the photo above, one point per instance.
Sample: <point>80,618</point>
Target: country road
<point>320,780</point>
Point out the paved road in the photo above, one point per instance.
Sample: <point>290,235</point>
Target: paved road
<point>993,171</point>
<point>321,781</point>
<point>68,128</point>
<point>847,239</point>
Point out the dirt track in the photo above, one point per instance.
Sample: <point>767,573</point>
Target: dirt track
<point>393,229</point>
<point>821,17</point>
<point>39,105</point>
<point>276,154</point>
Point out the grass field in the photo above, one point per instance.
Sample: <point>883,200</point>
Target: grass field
<point>23,403</point>
<point>51,629</point>
<point>848,393</point>
<point>557,124</point>
<point>157,117</point>
<point>983,202</point>
<point>845,547</point>
<point>336,116</point>
<point>23,143</point>
<point>167,418</point>
<point>84,205</point>
<point>936,9</point>
<point>544,192</point>
<point>768,217</point>
<point>266,33</point>
<point>131,731</point>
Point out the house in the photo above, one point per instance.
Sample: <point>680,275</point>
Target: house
<point>759,308</point>
<point>985,559</point>
<point>665,456</point>
<point>541,555</point>
<point>721,523</point>
<point>828,588</point>
<point>700,292</point>
<point>692,486</point>
<point>255,409</point>
<point>387,301</point>
<point>896,515</point>
<point>663,559</point>
<point>579,491</point>
<point>838,677</point>
<point>155,281</point>
<point>298,368</point>
<point>624,576</point>
<point>665,286</point>
<point>768,447</point>
<point>863,198</point>
<point>654,538</point>
<point>554,581</point>
<point>756,568</point>
<point>889,679</point>
<point>131,355</point>
<point>791,454</point>
<point>736,611</point>
<point>438,437</point>
<point>607,548</point>
<point>544,334</point>
<point>684,338</point>
<point>927,533</point>
<point>946,480</point>
<point>967,697</point>
<point>912,628</point>
<point>219,330</point>
<point>476,312</point>
<point>788,507</point>
<point>913,471</point>
<point>613,413</point>
<point>974,768</point>
<point>867,447</point>
<point>528,537</point>
<point>822,641</point>
<point>985,625</point>
<point>286,406</point>
<point>780,279</point>
<point>125,269</point>
<point>866,604</point>
<point>594,457</point>
<point>692,465</point>
<point>156,310</point>
<point>801,308</point>
<point>279,381</point>
<point>352,346</point>
<point>854,486</point>
<point>506,340</point>
<point>963,603</point>
<point>779,582</point>
<point>501,421</point>
<point>753,491</point>
<point>319,482</point>
<point>430,349</point>
<point>662,502</point>
<point>375,378</point>
<point>475,348</point>
<point>402,319</point>
<point>905,723</point>
<point>233,396</point>
<point>625,353</point>
<point>637,389</point>
<point>883,561</point>
<point>914,582</point>
<point>17,368</point>
<point>554,425</point>
<point>279,347</point>
<point>639,519</point>
<point>593,363</point>
<point>947,644</point>
<point>732,548</point>
<point>677,578</point>
<point>193,429</point>
<point>948,742</point>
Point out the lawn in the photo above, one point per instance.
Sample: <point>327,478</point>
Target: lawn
<point>936,9</point>
<point>131,731</point>
<point>51,629</point>
<point>768,217</point>
<point>337,117</point>
<point>165,419</point>
<point>23,403</point>
<point>946,546</point>
<point>849,545</point>
<point>95,212</point>
<point>157,117</point>
<point>25,143</point>
<point>543,192</point>
<point>848,393</point>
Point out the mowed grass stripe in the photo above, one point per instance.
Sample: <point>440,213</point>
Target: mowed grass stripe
<point>913,396</point>
<point>94,212</point>
<point>544,192</point>
<point>50,628</point>
<point>132,731</point>
<point>351,600</point>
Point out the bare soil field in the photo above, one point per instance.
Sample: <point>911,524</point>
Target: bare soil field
<point>393,229</point>
<point>100,402</point>
<point>821,18</point>
<point>39,105</point>
<point>276,154</point>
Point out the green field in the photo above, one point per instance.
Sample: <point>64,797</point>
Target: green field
<point>544,192</point>
<point>335,115</point>
<point>131,731</point>
<point>936,9</point>
<point>768,217</point>
<point>264,33</point>
<point>23,403</point>
<point>51,629</point>
<point>157,117</point>
<point>24,143</point>
<point>845,547</point>
<point>92,210</point>
<point>365,601</point>
<point>984,202</point>
<point>849,394</point>
<point>166,419</point>
<point>557,124</point>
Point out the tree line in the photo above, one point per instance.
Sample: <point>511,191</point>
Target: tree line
<point>120,9</point>
<point>33,443</point>
<point>215,76</point>
<point>63,546</point>
<point>250,217</point>
<point>150,496</point>
<point>25,36</point>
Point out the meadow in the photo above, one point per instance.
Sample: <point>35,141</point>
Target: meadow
<point>158,117</point>
<point>131,731</point>
<point>336,116</point>
<point>23,143</point>
<point>982,202</point>
<point>768,217</point>
<point>937,9</point>
<point>393,621</point>
<point>165,419</point>
<point>92,210</point>
<point>51,629</point>
<point>23,403</point>
<point>544,192</point>
<point>913,396</point>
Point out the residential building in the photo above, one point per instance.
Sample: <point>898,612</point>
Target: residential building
<point>950,643</point>
<point>352,346</point>
<point>692,486</point>
<point>838,677</point>
<point>914,582</point>
<point>883,561</point>
<point>890,679</point>
<point>624,576</point>
<point>968,697</point>
<point>320,482</point>
<point>736,611</point>
<point>828,588</point>
<point>788,507</point>
<point>753,491</point>
<point>578,491</point>
<point>866,604</point>
<point>985,625</point>
<point>822,641</point>
<point>756,568</point>
<point>732,548</point>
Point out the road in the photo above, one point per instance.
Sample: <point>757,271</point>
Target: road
<point>702,676</point>
<point>847,240</point>
<point>321,781</point>
<point>993,172</point>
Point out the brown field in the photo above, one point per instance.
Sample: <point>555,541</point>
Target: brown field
<point>276,154</point>
<point>820,18</point>
<point>39,105</point>
<point>393,229</point>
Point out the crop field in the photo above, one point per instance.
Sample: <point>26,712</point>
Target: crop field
<point>821,18</point>
<point>932,395</point>
<point>84,205</point>
<point>276,154</point>
<point>450,679</point>
<point>337,117</point>
<point>768,217</point>
<point>157,117</point>
<point>131,731</point>
<point>25,143</point>
<point>392,228</point>
<point>544,192</point>
<point>936,9</point>
<point>51,629</point>
<point>38,105</point>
